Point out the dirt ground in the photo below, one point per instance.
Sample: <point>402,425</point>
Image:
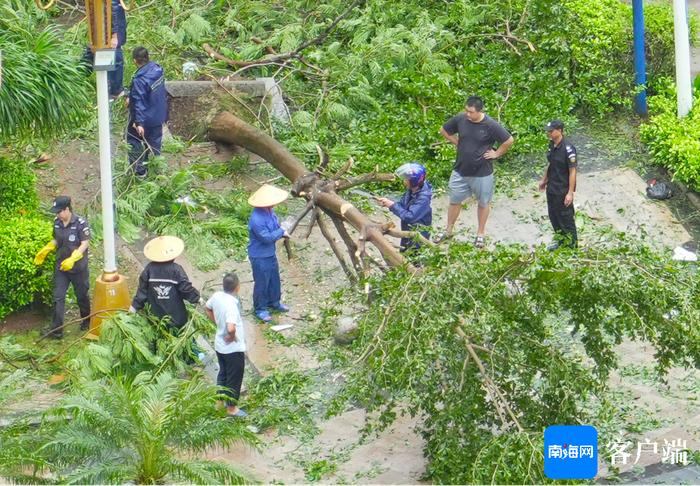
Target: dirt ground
<point>608,194</point>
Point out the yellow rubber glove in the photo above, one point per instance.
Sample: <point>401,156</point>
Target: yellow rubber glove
<point>41,256</point>
<point>67,264</point>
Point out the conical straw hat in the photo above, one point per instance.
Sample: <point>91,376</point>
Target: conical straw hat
<point>164,248</point>
<point>267,196</point>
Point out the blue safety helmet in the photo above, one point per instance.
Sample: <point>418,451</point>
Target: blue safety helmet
<point>413,172</point>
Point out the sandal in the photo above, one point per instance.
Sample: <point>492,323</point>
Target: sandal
<point>479,242</point>
<point>440,237</point>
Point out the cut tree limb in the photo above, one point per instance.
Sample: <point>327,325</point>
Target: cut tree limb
<point>228,128</point>
<point>334,246</point>
<point>347,239</point>
<point>304,212</point>
<point>364,179</point>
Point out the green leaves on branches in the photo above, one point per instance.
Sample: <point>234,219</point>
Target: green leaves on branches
<point>674,142</point>
<point>492,347</point>
<point>44,88</point>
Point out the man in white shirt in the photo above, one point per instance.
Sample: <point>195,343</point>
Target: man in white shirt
<point>224,309</point>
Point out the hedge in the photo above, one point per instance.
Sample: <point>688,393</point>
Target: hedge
<point>674,143</point>
<point>22,281</point>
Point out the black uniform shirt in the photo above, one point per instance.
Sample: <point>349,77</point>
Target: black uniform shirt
<point>68,238</point>
<point>561,158</point>
<point>165,286</point>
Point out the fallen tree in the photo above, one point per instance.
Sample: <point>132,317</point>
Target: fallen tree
<point>320,191</point>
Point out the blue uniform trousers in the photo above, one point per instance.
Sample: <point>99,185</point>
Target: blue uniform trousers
<point>267,289</point>
<point>115,79</point>
<point>140,148</point>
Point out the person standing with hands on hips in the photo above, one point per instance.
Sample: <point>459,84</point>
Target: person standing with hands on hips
<point>474,133</point>
<point>71,237</point>
<point>224,308</point>
<point>560,183</point>
<point>264,230</point>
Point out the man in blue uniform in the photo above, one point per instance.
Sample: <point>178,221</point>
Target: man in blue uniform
<point>71,236</point>
<point>116,78</point>
<point>560,182</point>
<point>264,230</point>
<point>148,110</point>
<point>414,207</point>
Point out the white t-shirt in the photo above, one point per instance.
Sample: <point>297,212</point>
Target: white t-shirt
<point>226,309</point>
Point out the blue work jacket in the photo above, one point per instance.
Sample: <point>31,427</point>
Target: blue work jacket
<point>148,103</point>
<point>263,230</point>
<point>414,210</point>
<point>119,22</point>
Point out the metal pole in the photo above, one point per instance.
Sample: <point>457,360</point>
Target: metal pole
<point>683,85</point>
<point>640,77</point>
<point>110,265</point>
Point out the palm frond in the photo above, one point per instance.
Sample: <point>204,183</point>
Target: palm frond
<point>205,472</point>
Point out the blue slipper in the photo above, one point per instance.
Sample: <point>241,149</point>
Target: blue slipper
<point>263,316</point>
<point>280,308</point>
<point>240,414</point>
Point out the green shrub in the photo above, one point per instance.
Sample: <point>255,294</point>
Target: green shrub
<point>22,281</point>
<point>392,73</point>
<point>17,192</point>
<point>674,143</point>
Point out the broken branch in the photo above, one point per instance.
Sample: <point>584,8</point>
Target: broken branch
<point>364,179</point>
<point>332,243</point>
<point>301,215</point>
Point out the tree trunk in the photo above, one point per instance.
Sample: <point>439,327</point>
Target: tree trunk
<point>230,129</point>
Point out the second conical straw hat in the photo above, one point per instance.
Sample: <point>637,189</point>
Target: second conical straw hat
<point>164,248</point>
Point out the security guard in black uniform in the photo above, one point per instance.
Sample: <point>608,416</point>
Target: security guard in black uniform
<point>560,182</point>
<point>71,236</point>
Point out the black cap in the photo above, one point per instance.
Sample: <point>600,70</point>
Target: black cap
<point>60,203</point>
<point>554,125</point>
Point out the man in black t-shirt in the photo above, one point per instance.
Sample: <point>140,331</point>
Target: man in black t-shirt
<point>560,182</point>
<point>474,133</point>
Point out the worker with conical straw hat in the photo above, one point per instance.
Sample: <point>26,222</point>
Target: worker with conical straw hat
<point>163,284</point>
<point>264,230</point>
